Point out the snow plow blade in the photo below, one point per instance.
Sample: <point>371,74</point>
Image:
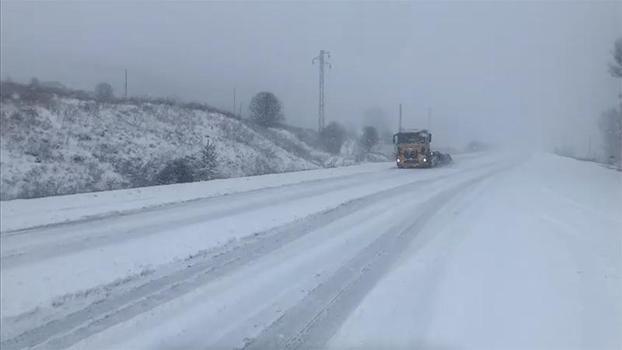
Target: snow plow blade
<point>440,159</point>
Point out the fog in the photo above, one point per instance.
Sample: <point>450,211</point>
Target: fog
<point>532,74</point>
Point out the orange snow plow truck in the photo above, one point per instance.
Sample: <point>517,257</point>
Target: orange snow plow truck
<point>412,150</point>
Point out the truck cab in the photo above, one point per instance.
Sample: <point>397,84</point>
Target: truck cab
<point>412,149</point>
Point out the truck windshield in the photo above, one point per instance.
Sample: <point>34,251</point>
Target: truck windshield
<point>412,137</point>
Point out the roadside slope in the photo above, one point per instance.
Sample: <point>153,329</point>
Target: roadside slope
<point>54,144</point>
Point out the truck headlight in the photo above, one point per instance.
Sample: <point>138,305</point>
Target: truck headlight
<point>398,160</point>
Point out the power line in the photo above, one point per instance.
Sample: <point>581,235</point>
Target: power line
<point>322,61</point>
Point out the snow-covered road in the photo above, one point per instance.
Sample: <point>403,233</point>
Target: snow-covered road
<point>493,251</point>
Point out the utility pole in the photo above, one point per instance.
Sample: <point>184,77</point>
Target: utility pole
<point>125,94</point>
<point>620,136</point>
<point>429,118</point>
<point>399,127</point>
<point>322,61</point>
<point>233,110</point>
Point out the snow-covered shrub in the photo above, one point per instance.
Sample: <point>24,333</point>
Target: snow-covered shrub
<point>176,171</point>
<point>204,165</point>
<point>37,184</point>
<point>263,165</point>
<point>209,162</point>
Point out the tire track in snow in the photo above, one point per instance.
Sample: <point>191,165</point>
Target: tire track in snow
<point>210,210</point>
<point>118,308</point>
<point>167,206</point>
<point>311,322</point>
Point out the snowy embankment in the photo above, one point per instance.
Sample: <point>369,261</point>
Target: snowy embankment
<point>63,145</point>
<point>21,214</point>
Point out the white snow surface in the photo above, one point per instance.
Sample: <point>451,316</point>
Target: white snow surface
<point>530,260</point>
<point>494,251</point>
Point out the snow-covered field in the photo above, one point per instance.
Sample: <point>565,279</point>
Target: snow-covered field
<point>493,251</point>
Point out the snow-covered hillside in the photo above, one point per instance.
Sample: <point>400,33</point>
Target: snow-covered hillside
<point>68,145</point>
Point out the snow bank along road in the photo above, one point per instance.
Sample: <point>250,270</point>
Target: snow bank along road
<point>494,251</point>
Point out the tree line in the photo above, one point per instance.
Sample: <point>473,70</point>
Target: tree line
<point>266,110</point>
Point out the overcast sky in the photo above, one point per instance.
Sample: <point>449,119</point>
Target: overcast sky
<point>533,71</point>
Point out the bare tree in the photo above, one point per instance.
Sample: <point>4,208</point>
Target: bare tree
<point>332,137</point>
<point>369,138</point>
<point>615,68</point>
<point>104,92</point>
<point>265,109</point>
<point>613,120</point>
<point>376,117</point>
<point>610,124</point>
